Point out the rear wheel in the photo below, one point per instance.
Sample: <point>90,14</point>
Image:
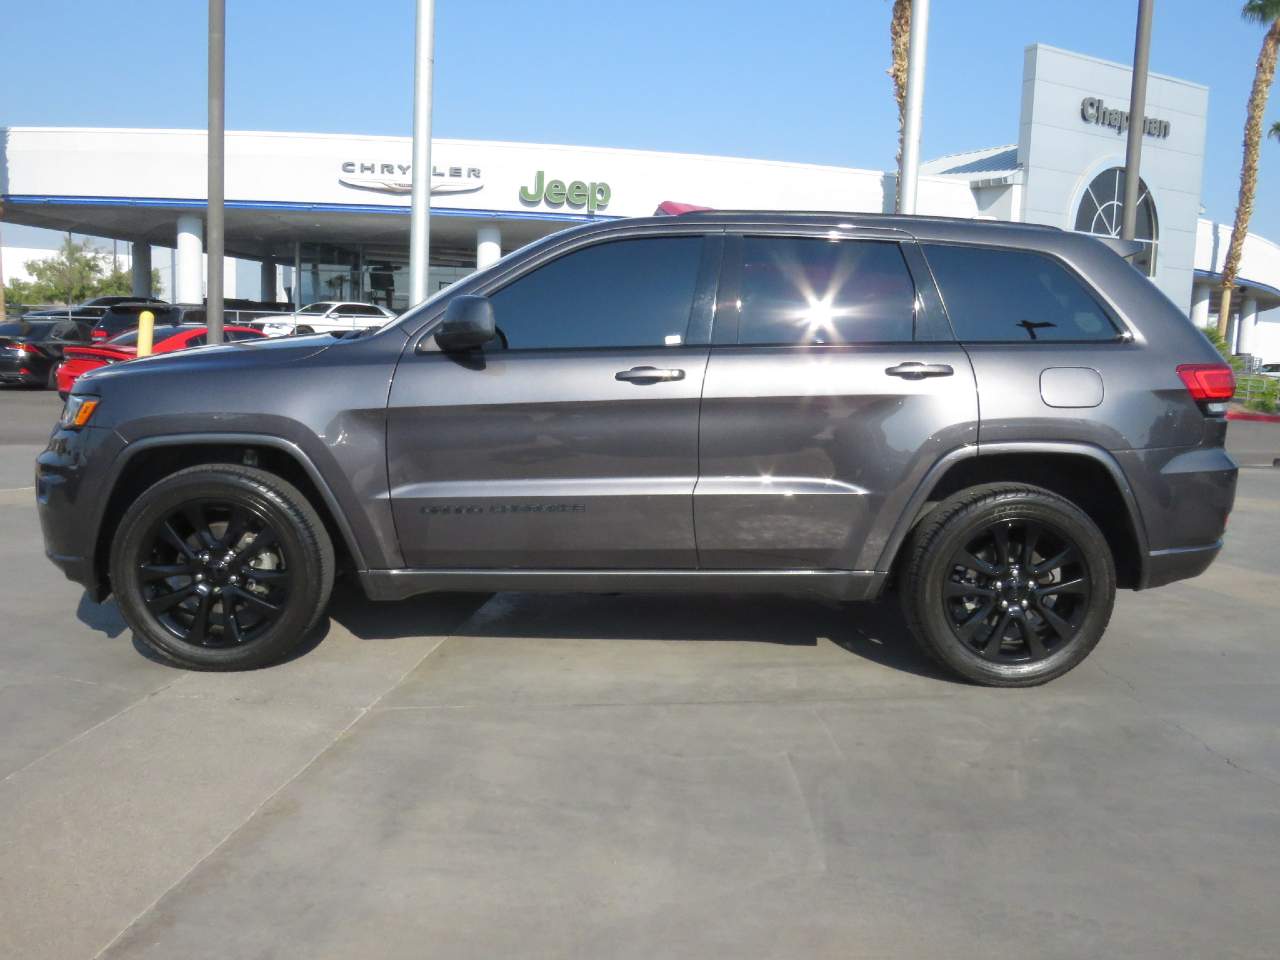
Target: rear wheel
<point>1008,585</point>
<point>222,567</point>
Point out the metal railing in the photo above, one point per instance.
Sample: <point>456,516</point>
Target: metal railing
<point>1258,393</point>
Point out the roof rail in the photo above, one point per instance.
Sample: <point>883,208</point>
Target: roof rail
<point>864,217</point>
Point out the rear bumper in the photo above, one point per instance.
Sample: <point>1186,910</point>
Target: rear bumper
<point>1178,563</point>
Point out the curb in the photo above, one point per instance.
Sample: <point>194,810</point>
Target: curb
<point>1256,417</point>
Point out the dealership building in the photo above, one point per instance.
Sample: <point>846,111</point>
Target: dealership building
<point>312,216</point>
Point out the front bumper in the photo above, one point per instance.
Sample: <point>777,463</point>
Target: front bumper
<point>70,482</point>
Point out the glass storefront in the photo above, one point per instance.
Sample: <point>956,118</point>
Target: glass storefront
<point>372,274</point>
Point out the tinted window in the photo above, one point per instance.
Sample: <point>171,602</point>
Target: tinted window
<point>802,290</point>
<point>361,310</point>
<point>1012,295</point>
<point>241,335</point>
<point>193,316</point>
<point>36,331</point>
<point>628,293</point>
<point>315,308</point>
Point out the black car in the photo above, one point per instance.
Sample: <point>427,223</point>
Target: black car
<point>89,311</point>
<point>122,317</point>
<point>30,350</point>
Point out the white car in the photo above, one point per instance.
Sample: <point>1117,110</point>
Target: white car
<point>329,316</point>
<point>1270,370</point>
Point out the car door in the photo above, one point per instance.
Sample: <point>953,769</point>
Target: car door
<point>833,385</point>
<point>571,440</point>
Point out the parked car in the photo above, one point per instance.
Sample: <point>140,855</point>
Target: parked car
<point>31,349</point>
<point>89,311</point>
<point>743,402</point>
<point>328,317</point>
<point>122,317</point>
<point>80,360</point>
<point>1270,370</point>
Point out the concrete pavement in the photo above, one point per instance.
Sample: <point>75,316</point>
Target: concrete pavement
<point>640,777</point>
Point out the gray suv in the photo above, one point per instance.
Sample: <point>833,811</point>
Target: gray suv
<point>1002,424</point>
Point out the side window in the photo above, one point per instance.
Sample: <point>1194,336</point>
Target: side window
<point>994,295</point>
<point>806,290</point>
<point>192,316</point>
<point>361,310</point>
<point>197,341</point>
<point>624,293</point>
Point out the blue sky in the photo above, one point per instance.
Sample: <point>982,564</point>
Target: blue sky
<point>802,80</point>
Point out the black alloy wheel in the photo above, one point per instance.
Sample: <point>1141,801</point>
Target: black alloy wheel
<point>214,573</point>
<point>222,567</point>
<point>1018,591</point>
<point>1007,585</point>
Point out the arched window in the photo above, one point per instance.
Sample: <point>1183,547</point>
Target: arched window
<point>1102,211</point>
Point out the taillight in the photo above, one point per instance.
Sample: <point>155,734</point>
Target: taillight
<point>98,335</point>
<point>1208,382</point>
<point>27,348</point>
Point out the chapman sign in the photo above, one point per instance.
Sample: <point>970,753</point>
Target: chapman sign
<point>1093,110</point>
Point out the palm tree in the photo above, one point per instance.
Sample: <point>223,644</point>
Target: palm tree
<point>1265,12</point>
<point>899,44</point>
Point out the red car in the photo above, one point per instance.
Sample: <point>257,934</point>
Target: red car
<point>80,360</point>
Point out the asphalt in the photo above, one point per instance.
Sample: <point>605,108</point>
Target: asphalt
<point>510,775</point>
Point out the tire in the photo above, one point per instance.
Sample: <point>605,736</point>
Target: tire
<point>974,607</point>
<point>178,568</point>
<point>51,381</point>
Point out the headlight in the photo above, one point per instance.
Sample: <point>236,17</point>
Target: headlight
<point>78,411</point>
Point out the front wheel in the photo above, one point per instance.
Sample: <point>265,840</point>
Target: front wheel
<point>1008,585</point>
<point>222,567</point>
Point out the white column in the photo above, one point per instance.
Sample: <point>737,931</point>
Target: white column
<point>488,246</point>
<point>1248,320</point>
<point>267,280</point>
<point>141,268</point>
<point>1201,295</point>
<point>188,285</point>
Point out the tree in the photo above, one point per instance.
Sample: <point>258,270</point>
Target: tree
<point>899,47</point>
<point>76,273</point>
<point>1265,12</point>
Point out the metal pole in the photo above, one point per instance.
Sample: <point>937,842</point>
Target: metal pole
<point>420,213</point>
<point>1137,119</point>
<point>215,224</point>
<point>909,173</point>
<point>3,305</point>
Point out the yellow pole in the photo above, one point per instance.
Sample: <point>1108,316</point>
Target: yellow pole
<point>146,332</point>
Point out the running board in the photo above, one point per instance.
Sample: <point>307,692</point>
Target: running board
<point>830,584</point>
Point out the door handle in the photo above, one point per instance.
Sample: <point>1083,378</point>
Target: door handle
<point>914,370</point>
<point>643,375</point>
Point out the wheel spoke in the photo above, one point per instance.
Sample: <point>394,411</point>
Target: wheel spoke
<point>1032,639</point>
<point>997,635</point>
<point>1079,586</point>
<point>236,527</point>
<point>230,626</point>
<point>1000,533</point>
<point>256,603</point>
<point>170,536</point>
<point>1067,555</point>
<point>267,576</point>
<point>163,571</point>
<point>958,588</point>
<point>1029,541</point>
<point>194,515</point>
<point>200,622</point>
<point>970,561</point>
<point>168,601</point>
<point>1055,622</point>
<point>967,629</point>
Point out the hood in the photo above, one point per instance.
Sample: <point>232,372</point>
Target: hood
<point>240,355</point>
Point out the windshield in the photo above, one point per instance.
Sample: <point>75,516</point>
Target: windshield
<point>316,308</point>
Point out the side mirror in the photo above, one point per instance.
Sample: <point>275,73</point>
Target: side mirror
<point>468,323</point>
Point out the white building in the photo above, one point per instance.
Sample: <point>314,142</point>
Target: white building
<point>333,211</point>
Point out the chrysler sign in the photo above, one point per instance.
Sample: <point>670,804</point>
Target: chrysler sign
<point>397,178</point>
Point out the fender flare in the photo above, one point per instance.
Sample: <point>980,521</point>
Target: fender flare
<point>931,479</point>
<point>287,447</point>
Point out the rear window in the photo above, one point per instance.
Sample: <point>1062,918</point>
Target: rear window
<point>36,329</point>
<point>1003,296</point>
